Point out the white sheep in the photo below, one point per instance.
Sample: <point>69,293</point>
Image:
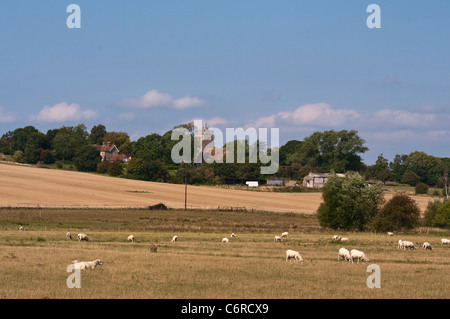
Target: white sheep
<point>345,254</point>
<point>131,238</point>
<point>400,244</point>
<point>277,238</point>
<point>285,234</point>
<point>69,235</point>
<point>359,255</point>
<point>427,246</point>
<point>292,254</point>
<point>174,238</point>
<point>21,228</point>
<point>408,245</point>
<point>225,240</point>
<point>344,239</point>
<point>335,238</point>
<point>233,235</point>
<point>445,241</point>
<point>88,264</point>
<point>390,233</point>
<point>82,237</point>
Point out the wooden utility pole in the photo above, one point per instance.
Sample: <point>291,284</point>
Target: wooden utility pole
<point>185,186</point>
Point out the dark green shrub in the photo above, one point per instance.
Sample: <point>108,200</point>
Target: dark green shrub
<point>400,212</point>
<point>442,218</point>
<point>421,188</point>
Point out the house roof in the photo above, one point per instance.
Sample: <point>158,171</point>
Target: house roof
<point>105,147</point>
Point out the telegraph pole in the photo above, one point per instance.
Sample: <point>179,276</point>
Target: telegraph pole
<point>185,186</point>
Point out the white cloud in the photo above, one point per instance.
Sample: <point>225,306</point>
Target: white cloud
<point>396,118</point>
<point>318,114</point>
<point>151,99</point>
<point>188,102</point>
<point>63,112</point>
<point>321,114</point>
<point>154,98</point>
<point>6,117</point>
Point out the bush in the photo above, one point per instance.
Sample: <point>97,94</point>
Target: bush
<point>399,213</point>
<point>349,203</point>
<point>442,218</point>
<point>18,157</point>
<point>59,164</point>
<point>421,188</point>
<point>431,212</point>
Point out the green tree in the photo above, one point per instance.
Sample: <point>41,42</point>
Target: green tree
<point>97,134</point>
<point>400,212</point>
<point>332,151</point>
<point>86,159</point>
<point>68,140</point>
<point>427,167</point>
<point>289,150</point>
<point>442,218</point>
<point>148,170</point>
<point>431,212</point>
<point>398,166</point>
<point>349,203</point>
<point>116,138</point>
<point>410,178</point>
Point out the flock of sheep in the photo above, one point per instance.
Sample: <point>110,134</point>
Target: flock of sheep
<point>343,253</point>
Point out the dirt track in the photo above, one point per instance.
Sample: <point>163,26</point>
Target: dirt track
<point>30,187</point>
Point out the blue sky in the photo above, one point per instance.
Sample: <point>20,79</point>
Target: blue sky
<point>302,66</point>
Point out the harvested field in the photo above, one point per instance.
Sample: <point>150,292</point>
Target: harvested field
<point>23,186</point>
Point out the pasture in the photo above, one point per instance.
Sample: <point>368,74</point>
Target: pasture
<point>250,266</point>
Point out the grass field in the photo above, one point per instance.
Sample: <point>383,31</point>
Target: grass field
<point>34,261</point>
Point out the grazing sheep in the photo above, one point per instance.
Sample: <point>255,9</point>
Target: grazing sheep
<point>21,228</point>
<point>408,245</point>
<point>445,241</point>
<point>88,264</point>
<point>427,246</point>
<point>335,238</point>
<point>344,239</point>
<point>225,240</point>
<point>175,238</point>
<point>69,235</point>
<point>390,233</point>
<point>293,254</point>
<point>131,238</point>
<point>359,255</point>
<point>277,238</point>
<point>285,234</point>
<point>233,235</point>
<point>345,254</point>
<point>83,237</point>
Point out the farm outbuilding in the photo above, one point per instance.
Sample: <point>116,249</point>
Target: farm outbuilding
<point>275,182</point>
<point>317,180</point>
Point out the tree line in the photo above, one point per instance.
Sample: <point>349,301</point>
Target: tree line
<point>327,151</point>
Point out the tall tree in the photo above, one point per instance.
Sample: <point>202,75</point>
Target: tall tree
<point>349,203</point>
<point>97,134</point>
<point>331,150</point>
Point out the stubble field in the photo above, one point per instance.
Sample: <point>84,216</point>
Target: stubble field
<point>252,265</point>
